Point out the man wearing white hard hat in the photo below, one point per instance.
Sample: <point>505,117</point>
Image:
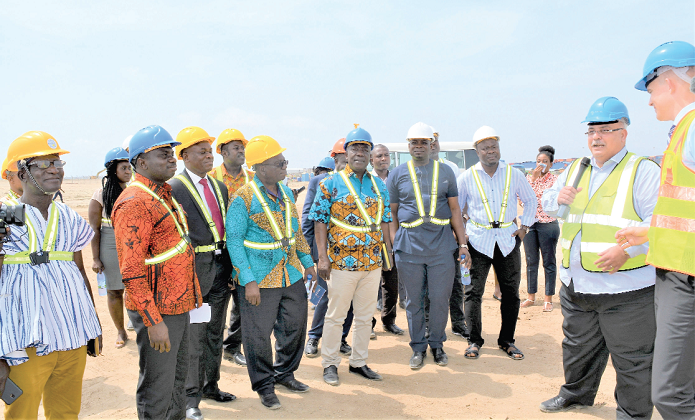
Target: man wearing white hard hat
<point>424,210</point>
<point>487,188</point>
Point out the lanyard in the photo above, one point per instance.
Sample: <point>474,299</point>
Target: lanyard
<point>373,226</point>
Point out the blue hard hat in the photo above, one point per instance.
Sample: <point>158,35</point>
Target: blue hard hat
<point>117,153</point>
<point>327,163</point>
<point>606,109</point>
<point>674,54</point>
<point>147,138</point>
<point>358,135</point>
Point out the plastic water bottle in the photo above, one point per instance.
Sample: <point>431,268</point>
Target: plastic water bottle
<point>465,274</point>
<point>308,284</point>
<point>101,282</point>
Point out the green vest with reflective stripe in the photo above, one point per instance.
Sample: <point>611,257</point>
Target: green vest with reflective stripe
<point>206,213</point>
<point>492,223</point>
<point>370,226</point>
<point>49,241</point>
<point>610,209</point>
<point>282,241</point>
<point>418,199</point>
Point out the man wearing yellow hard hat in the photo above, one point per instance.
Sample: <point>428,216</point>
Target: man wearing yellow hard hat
<point>269,254</point>
<point>204,199</point>
<point>44,342</point>
<point>9,172</point>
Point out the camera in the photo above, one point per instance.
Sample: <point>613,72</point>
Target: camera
<point>11,215</point>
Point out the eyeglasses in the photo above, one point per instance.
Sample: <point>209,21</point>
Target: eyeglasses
<point>45,164</point>
<point>603,131</point>
<point>281,164</point>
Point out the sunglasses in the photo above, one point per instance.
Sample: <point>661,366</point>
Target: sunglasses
<point>45,164</point>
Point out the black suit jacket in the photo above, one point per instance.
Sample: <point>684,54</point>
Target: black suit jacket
<point>208,266</point>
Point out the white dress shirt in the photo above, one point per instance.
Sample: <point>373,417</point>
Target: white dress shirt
<point>196,181</point>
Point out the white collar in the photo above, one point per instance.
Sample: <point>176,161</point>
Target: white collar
<point>195,178</point>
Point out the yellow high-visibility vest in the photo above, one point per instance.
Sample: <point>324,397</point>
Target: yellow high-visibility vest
<point>282,241</point>
<point>672,231</point>
<point>370,226</point>
<point>219,242</point>
<point>610,209</point>
<point>49,241</point>
<point>418,199</point>
<point>492,223</point>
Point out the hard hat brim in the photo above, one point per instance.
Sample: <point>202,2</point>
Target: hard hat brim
<point>486,138</point>
<point>277,152</point>
<point>219,144</point>
<point>210,140</point>
<point>156,146</point>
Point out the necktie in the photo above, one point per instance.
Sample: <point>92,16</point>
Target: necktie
<point>214,209</point>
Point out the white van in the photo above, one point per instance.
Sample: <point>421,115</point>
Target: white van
<point>462,153</point>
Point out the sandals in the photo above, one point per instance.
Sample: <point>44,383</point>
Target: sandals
<point>472,352</point>
<point>494,296</point>
<point>512,351</point>
<point>548,307</point>
<point>527,303</point>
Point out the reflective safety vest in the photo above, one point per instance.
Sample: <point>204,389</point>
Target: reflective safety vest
<point>370,226</point>
<point>11,195</point>
<point>282,241</point>
<point>105,221</point>
<point>492,223</point>
<point>672,231</point>
<point>219,242</point>
<point>182,245</point>
<point>36,256</point>
<point>610,209</point>
<point>219,173</point>
<point>418,199</point>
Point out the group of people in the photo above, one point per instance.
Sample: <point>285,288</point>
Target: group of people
<point>183,246</point>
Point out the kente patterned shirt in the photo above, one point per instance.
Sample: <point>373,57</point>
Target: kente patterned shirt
<point>144,228</point>
<point>233,183</point>
<point>539,186</point>
<point>246,220</point>
<point>46,306</point>
<point>348,250</point>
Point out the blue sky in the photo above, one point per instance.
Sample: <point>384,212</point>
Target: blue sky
<point>92,73</point>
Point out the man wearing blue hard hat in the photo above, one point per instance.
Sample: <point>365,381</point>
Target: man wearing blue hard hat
<point>668,78</point>
<point>351,213</point>
<point>158,267</point>
<point>607,293</point>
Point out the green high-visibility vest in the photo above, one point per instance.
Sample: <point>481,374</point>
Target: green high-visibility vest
<point>610,209</point>
<point>206,213</point>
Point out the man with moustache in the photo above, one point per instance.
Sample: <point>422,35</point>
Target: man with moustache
<point>351,218</point>
<point>425,209</point>
<point>490,189</point>
<point>204,199</point>
<point>157,262</point>
<point>607,294</point>
<point>268,252</point>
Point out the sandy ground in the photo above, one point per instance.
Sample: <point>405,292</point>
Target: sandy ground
<point>492,387</point>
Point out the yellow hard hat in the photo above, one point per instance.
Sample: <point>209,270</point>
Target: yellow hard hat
<point>230,134</point>
<point>190,136</point>
<point>7,167</point>
<point>262,148</point>
<point>33,144</point>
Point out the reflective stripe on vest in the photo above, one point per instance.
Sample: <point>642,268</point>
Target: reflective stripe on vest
<point>492,223</point>
<point>282,240</point>
<point>610,208</point>
<point>105,221</point>
<point>49,241</point>
<point>418,199</point>
<point>672,231</point>
<point>206,213</point>
<point>370,226</point>
<point>182,245</point>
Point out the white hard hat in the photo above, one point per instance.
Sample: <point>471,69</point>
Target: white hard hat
<point>434,131</point>
<point>126,142</point>
<point>420,131</point>
<point>483,133</point>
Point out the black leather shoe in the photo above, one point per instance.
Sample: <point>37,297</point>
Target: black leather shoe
<point>219,396</point>
<point>366,372</point>
<point>345,348</point>
<point>393,329</point>
<point>330,375</point>
<point>312,348</point>
<point>417,360</point>
<point>440,357</point>
<point>270,400</point>
<point>294,385</point>
<point>194,413</point>
<point>235,356</point>
<point>558,404</point>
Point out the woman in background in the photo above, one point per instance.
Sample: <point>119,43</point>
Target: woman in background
<point>543,235</point>
<point>105,261</point>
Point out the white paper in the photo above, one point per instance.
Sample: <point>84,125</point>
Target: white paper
<point>202,314</point>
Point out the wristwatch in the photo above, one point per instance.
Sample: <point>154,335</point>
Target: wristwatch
<point>463,246</point>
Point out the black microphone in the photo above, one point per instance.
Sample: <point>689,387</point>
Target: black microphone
<point>564,209</point>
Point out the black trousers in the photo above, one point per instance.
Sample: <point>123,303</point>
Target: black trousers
<point>508,269</point>
<point>161,385</point>
<point>596,325</point>
<point>541,237</point>
<point>233,341</point>
<point>389,295</point>
<point>282,312</point>
<point>205,344</point>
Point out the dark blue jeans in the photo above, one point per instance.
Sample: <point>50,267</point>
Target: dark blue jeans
<point>543,237</point>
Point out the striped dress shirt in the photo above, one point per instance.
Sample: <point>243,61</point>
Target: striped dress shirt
<point>46,306</point>
<point>484,240</point>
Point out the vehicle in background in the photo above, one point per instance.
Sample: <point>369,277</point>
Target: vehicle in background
<point>461,153</point>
